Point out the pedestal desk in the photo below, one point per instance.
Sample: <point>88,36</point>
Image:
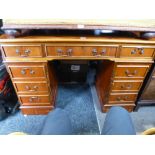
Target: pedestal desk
<point>125,63</point>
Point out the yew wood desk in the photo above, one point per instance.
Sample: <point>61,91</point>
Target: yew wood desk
<point>126,61</point>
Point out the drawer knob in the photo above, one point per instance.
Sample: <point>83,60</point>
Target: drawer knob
<point>69,52</point>
<point>26,53</point>
<point>23,71</point>
<point>129,86</point>
<point>27,87</point>
<point>59,51</point>
<point>32,71</point>
<point>17,51</point>
<point>126,87</point>
<point>119,99</point>
<point>133,52</point>
<point>94,52</point>
<point>122,99</point>
<point>35,88</point>
<point>34,99</point>
<point>127,72</point>
<point>103,51</point>
<point>141,51</point>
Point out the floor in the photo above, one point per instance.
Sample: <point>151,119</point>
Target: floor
<point>83,107</point>
<point>143,119</point>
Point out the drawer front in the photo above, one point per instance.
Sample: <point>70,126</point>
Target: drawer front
<point>115,97</point>
<point>36,110</point>
<point>29,87</point>
<point>35,100</point>
<point>128,107</point>
<point>126,85</point>
<point>67,51</point>
<point>131,71</point>
<point>27,71</point>
<point>99,51</point>
<point>139,52</point>
<point>23,51</point>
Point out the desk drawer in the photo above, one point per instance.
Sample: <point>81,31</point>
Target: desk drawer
<point>22,50</point>
<point>34,100</point>
<point>101,51</point>
<point>126,85</point>
<point>67,51</point>
<point>139,52</point>
<point>27,71</point>
<point>122,97</point>
<point>131,71</point>
<point>29,87</point>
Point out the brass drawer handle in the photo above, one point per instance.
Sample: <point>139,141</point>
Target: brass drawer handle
<point>59,51</point>
<point>23,71</point>
<point>32,71</point>
<point>127,87</point>
<point>122,99</point>
<point>139,50</point>
<point>103,51</point>
<point>133,52</point>
<point>69,52</point>
<point>35,88</point>
<point>130,74</point>
<point>34,99</point>
<point>26,53</point>
<point>94,52</point>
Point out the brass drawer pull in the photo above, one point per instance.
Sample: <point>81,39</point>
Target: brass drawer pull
<point>126,87</point>
<point>122,99</point>
<point>69,52</point>
<point>26,53</point>
<point>32,71</point>
<point>35,88</point>
<point>133,52</point>
<point>129,86</point>
<point>23,71</point>
<point>94,52</point>
<point>139,50</point>
<point>127,72</point>
<point>34,99</point>
<point>103,51</point>
<point>59,51</point>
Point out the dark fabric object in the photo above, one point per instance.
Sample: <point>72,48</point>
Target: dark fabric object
<point>118,122</point>
<point>57,123</point>
<point>8,96</point>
